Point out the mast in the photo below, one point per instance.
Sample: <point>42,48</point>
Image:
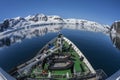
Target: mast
<point>59,41</point>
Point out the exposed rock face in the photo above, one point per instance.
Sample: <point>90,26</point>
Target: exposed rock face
<point>15,21</point>
<point>116,27</point>
<point>115,34</point>
<point>4,25</point>
<point>37,17</point>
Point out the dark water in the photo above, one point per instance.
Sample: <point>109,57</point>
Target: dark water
<point>96,46</point>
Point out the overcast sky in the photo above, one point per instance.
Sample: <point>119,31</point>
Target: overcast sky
<point>101,11</point>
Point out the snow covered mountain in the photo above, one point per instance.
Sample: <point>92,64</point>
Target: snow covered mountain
<point>41,19</point>
<point>115,28</point>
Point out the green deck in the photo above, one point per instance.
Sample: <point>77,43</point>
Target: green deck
<point>37,72</point>
<point>80,67</point>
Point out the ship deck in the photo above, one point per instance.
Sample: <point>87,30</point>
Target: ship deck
<point>54,62</point>
<point>79,67</point>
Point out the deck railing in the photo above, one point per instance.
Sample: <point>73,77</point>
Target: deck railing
<point>64,76</point>
<point>80,54</point>
<point>99,75</point>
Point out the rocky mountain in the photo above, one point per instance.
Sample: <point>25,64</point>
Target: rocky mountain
<point>41,19</point>
<point>4,25</point>
<point>115,28</point>
<point>115,34</point>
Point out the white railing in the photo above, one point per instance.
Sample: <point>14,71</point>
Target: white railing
<point>80,54</point>
<point>65,75</point>
<point>36,60</point>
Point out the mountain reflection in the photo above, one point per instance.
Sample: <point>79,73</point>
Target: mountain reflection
<point>16,35</point>
<point>115,39</point>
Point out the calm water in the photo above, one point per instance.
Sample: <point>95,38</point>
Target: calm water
<point>20,46</point>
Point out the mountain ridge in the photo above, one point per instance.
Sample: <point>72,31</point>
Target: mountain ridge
<point>40,19</point>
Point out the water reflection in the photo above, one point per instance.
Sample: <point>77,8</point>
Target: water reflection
<point>36,31</point>
<point>18,36</point>
<point>115,37</point>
